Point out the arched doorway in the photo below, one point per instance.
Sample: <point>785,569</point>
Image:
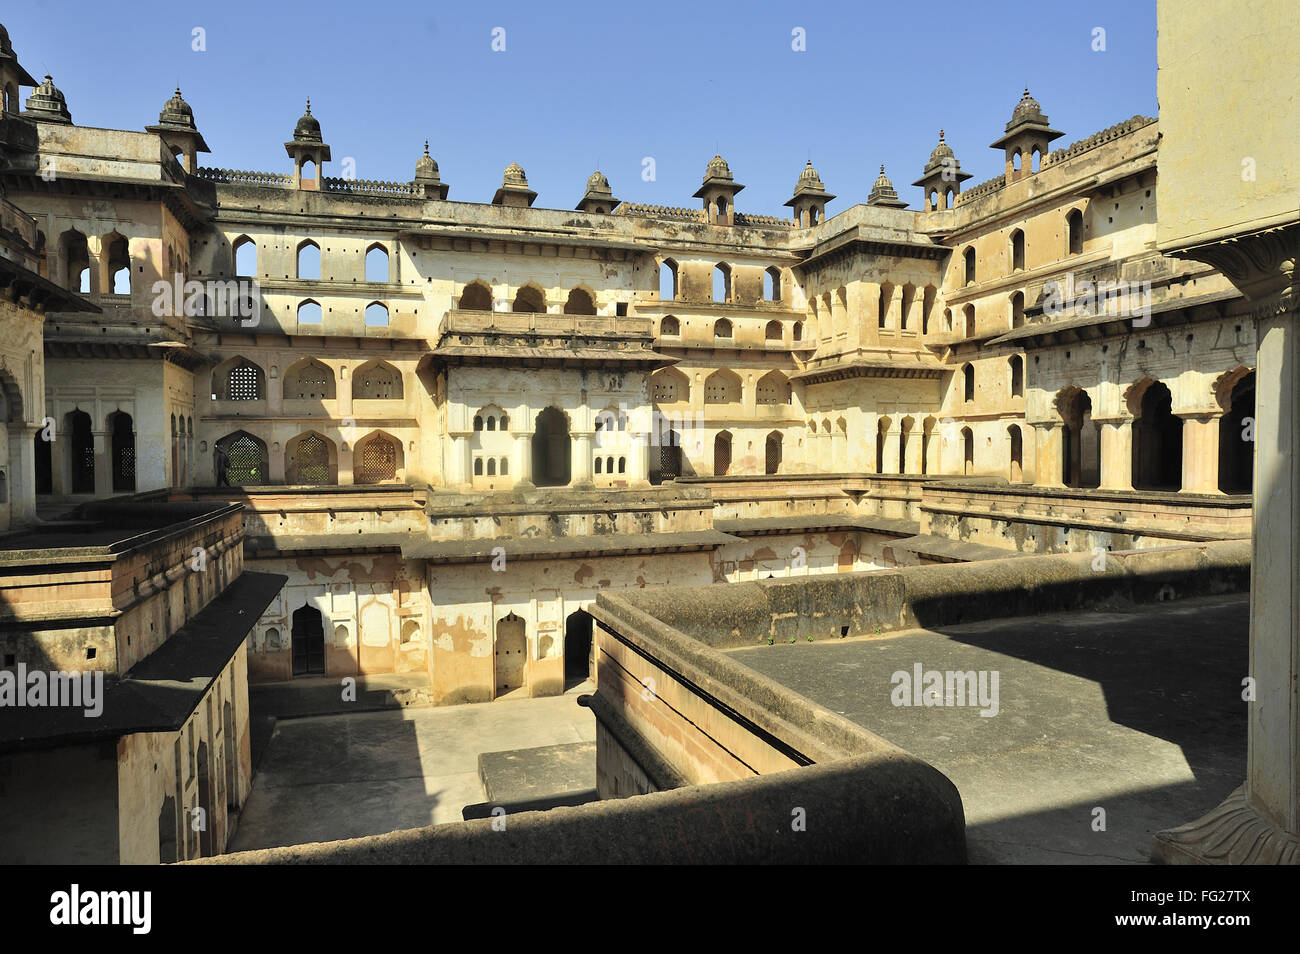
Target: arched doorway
<point>1081,455</point>
<point>968,450</point>
<point>1157,441</point>
<point>44,464</point>
<point>308,638</point>
<point>1236,439</point>
<point>721,454</point>
<point>123,444</point>
<point>670,456</point>
<point>511,654</point>
<point>772,455</point>
<point>81,452</point>
<point>577,648</point>
<point>552,450</point>
<point>1017,453</point>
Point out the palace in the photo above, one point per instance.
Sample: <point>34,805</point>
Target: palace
<point>452,423</point>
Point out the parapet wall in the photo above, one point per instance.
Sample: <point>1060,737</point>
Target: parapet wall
<point>858,604</point>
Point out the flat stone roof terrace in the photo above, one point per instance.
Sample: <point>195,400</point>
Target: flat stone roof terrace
<point>1137,712</point>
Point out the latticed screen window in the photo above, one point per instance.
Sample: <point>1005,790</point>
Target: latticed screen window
<point>248,463</point>
<point>378,462</point>
<point>313,460</point>
<point>245,383</point>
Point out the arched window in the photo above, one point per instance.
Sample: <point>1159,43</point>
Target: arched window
<point>670,326</point>
<point>308,171</point>
<point>119,264</point>
<point>376,458</point>
<point>476,296</point>
<point>1016,365</point>
<point>669,386</point>
<point>968,382</point>
<point>1016,160</point>
<point>1074,231</point>
<point>772,284</point>
<point>491,466</point>
<point>883,303</point>
<point>580,303</point>
<point>309,313</point>
<point>478,466</point>
<point>722,282</point>
<point>968,450</point>
<point>927,307</point>
<point>969,257</point>
<point>797,333</point>
<point>905,314</point>
<point>1017,250</point>
<point>773,388</point>
<point>722,387</point>
<point>721,454</point>
<point>310,459</point>
<point>377,264</point>
<point>1017,309</point>
<point>241,380</point>
<point>376,381</point>
<point>309,261</point>
<point>722,328</point>
<point>1036,158</point>
<point>309,380</point>
<point>246,459</point>
<point>969,311</point>
<point>773,330</point>
<point>376,314</point>
<point>245,257</point>
<point>668,280</point>
<point>529,298</point>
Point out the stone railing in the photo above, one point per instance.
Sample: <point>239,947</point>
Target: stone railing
<point>663,212</point>
<point>983,189</point>
<point>765,221</point>
<point>1108,134</point>
<point>373,187</point>
<point>240,177</point>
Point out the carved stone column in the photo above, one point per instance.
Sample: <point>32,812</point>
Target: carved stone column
<point>1201,453</point>
<point>1116,453</point>
<point>1260,822</point>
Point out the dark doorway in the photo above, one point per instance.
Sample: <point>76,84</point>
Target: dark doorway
<point>308,636</point>
<point>44,465</point>
<point>82,449</point>
<point>1081,455</point>
<point>721,454</point>
<point>773,455</point>
<point>551,449</point>
<point>1017,454</point>
<point>123,443</point>
<point>670,457</point>
<point>167,831</point>
<point>1157,442</point>
<point>205,819</point>
<point>577,648</point>
<point>511,654</point>
<point>1237,439</point>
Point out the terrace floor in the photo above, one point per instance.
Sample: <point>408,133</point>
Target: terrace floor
<point>1138,713</point>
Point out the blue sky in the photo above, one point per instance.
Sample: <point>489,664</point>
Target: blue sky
<point>582,82</point>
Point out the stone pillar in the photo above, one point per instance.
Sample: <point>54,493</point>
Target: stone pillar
<point>580,472</point>
<point>915,449</point>
<point>104,464</point>
<point>459,474</point>
<point>1201,453</point>
<point>22,474</point>
<point>523,460</point>
<point>1048,438</point>
<point>893,439</point>
<point>1259,823</point>
<point>1116,453</point>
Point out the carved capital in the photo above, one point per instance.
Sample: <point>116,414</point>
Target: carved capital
<point>1261,264</point>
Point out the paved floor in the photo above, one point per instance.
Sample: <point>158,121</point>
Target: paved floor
<point>1137,713</point>
<point>341,776</point>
